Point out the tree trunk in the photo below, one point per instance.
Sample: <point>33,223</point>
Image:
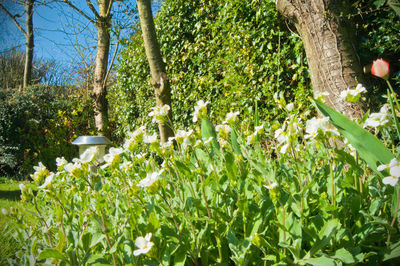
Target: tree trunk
<point>328,40</point>
<point>103,24</point>
<point>157,68</point>
<point>29,43</point>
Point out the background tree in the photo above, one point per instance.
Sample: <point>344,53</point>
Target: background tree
<point>12,65</point>
<point>159,77</point>
<point>102,20</point>
<point>329,43</point>
<point>28,33</point>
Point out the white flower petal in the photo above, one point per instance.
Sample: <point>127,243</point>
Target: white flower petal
<point>390,180</point>
<point>382,167</point>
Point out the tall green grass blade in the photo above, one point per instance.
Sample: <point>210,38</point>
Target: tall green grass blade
<point>368,146</point>
<point>396,121</point>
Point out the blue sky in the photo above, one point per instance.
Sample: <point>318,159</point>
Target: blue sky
<point>53,29</point>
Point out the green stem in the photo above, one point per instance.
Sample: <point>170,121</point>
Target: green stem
<point>397,207</point>
<point>395,214</point>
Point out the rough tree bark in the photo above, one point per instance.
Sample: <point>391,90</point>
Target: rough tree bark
<point>28,33</point>
<point>159,78</point>
<point>329,43</point>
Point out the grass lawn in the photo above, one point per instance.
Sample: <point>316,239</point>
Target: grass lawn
<point>10,197</point>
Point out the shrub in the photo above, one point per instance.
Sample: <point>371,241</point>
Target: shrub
<point>37,124</point>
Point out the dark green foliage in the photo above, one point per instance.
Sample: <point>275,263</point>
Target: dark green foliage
<point>231,53</point>
<point>37,124</point>
<point>378,31</point>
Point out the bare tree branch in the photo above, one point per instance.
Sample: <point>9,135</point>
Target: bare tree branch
<point>90,5</point>
<point>13,19</point>
<point>78,10</point>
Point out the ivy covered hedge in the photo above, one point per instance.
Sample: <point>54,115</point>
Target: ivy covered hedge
<point>231,53</point>
<point>236,53</point>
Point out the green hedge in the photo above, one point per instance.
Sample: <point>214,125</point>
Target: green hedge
<point>37,124</point>
<point>231,53</point>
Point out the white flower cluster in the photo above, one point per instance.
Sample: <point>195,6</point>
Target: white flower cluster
<point>200,111</point>
<point>150,179</point>
<point>252,137</point>
<point>350,95</point>
<point>185,138</point>
<point>134,138</point>
<point>288,132</point>
<point>315,126</point>
<point>378,119</point>
<point>159,113</point>
<point>394,170</point>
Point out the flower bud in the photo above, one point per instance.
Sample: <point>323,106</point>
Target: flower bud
<point>380,69</point>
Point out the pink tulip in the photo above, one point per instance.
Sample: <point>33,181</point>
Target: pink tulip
<point>380,68</point>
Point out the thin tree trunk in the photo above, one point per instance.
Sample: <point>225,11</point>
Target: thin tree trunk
<point>159,76</point>
<point>329,43</point>
<point>103,24</point>
<point>29,43</point>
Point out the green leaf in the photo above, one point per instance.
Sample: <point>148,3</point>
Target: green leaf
<point>180,256</point>
<point>344,255</point>
<point>395,7</point>
<point>321,261</point>
<point>51,253</point>
<point>394,252</point>
<point>208,131</point>
<point>325,236</point>
<point>235,143</point>
<point>230,164</point>
<point>367,145</point>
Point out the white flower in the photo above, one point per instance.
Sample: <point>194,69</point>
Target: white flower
<point>150,179</point>
<point>61,161</point>
<point>125,166</point>
<point>352,95</point>
<point>223,129</point>
<point>140,156</point>
<point>200,110</point>
<point>378,119</point>
<point>316,125</point>
<point>271,186</point>
<point>70,167</point>
<point>150,139</point>
<point>259,130</point>
<point>21,187</point>
<point>281,135</point>
<point>290,107</point>
<point>359,89</point>
<point>88,155</point>
<point>231,117</point>
<point>39,168</point>
<point>320,96</point>
<point>251,139</point>
<point>394,170</point>
<point>144,244</point>
<point>159,113</point>
<point>4,211</point>
<point>48,180</point>
<point>184,137</point>
<point>113,153</point>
